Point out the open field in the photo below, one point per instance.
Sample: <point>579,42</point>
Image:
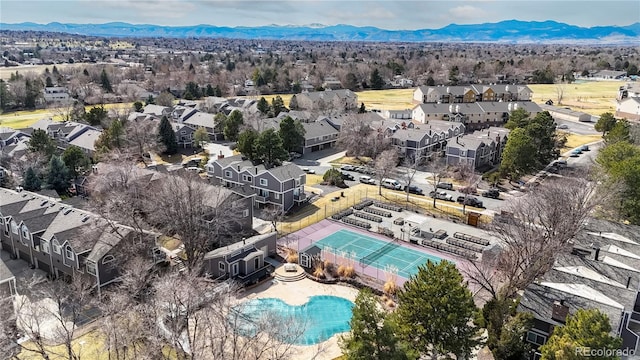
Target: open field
<point>593,97</point>
<point>5,72</point>
<point>575,140</point>
<point>25,118</point>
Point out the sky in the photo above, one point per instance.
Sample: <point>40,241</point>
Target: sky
<point>386,14</point>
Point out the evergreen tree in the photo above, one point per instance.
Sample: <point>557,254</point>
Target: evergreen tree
<point>542,131</point>
<point>263,106</point>
<point>232,125</point>
<point>167,137</point>
<point>6,98</point>
<point>292,133</point>
<point>372,333</point>
<point>435,312</point>
<point>150,100</point>
<point>377,83</point>
<point>58,175</point>
<point>137,106</point>
<point>116,134</point>
<point>41,143</point>
<point>605,123</point>
<point>293,103</point>
<point>268,148</point>
<point>76,160</point>
<point>210,91</point>
<point>218,91</point>
<point>277,105</point>
<point>586,329</point>
<point>192,91</point>
<point>105,82</point>
<point>31,181</point>
<point>32,93</point>
<point>518,118</point>
<point>48,82</point>
<point>97,116</point>
<point>362,109</point>
<point>619,132</point>
<point>518,157</point>
<point>85,72</point>
<point>246,143</point>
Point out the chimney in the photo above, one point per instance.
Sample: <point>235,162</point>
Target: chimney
<point>238,168</point>
<point>597,254</point>
<point>256,168</point>
<point>559,311</point>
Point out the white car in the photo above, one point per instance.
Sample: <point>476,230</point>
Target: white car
<point>563,126</point>
<point>367,180</point>
<point>309,171</point>
<point>347,167</point>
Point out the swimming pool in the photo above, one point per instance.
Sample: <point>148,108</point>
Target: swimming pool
<point>314,322</point>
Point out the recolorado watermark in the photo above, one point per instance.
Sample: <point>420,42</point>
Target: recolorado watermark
<point>592,352</point>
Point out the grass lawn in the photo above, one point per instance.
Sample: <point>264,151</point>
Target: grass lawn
<point>347,160</point>
<point>90,345</point>
<point>313,179</point>
<point>575,140</point>
<point>593,97</point>
<point>169,243</point>
<point>26,118</point>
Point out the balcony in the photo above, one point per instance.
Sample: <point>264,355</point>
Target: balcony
<point>254,276</point>
<point>300,197</point>
<point>262,199</point>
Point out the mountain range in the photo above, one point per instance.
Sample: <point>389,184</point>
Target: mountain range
<point>509,31</point>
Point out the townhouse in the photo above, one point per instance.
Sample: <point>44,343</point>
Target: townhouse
<point>207,121</point>
<point>70,133</point>
<point>602,272</point>
<point>56,94</point>
<point>280,186</point>
<point>184,134</point>
<point>480,149</point>
<point>62,241</point>
<point>9,136</point>
<point>421,140</point>
<point>328,99</point>
<point>244,261</point>
<point>319,134</point>
<point>474,115</point>
<point>471,93</point>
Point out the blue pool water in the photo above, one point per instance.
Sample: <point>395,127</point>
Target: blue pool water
<point>312,323</point>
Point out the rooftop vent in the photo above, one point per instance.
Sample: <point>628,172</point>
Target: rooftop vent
<point>66,212</point>
<point>84,219</point>
<point>44,203</point>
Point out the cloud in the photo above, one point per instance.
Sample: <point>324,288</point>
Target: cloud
<point>467,12</point>
<point>152,10</point>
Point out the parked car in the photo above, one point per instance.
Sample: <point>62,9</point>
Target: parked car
<point>195,169</point>
<point>576,153</point>
<point>295,155</point>
<point>561,163</point>
<point>347,167</point>
<point>470,201</point>
<point>367,180</point>
<point>359,169</point>
<point>562,126</point>
<point>412,189</point>
<point>584,148</point>
<point>445,185</point>
<point>309,171</point>
<point>391,184</point>
<point>491,193</point>
<point>347,176</point>
<point>441,195</point>
<point>194,162</point>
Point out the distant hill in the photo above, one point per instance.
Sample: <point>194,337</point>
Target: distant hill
<point>510,31</point>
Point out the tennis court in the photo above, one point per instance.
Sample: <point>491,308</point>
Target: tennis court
<point>369,251</point>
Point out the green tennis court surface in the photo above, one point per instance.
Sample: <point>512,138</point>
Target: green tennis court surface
<point>369,251</point>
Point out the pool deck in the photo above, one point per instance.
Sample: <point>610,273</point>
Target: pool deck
<point>298,293</point>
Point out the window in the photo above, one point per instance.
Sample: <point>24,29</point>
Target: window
<point>44,244</point>
<point>246,177</point>
<point>107,259</point>
<point>91,267</point>
<point>183,132</point>
<point>264,182</point>
<point>221,267</point>
<point>256,263</point>
<point>227,173</point>
<point>1,221</point>
<point>69,252</point>
<point>14,227</point>
<point>276,196</point>
<point>25,233</point>
<point>56,246</point>
<point>297,181</point>
<point>536,338</point>
<point>234,269</point>
<point>245,213</point>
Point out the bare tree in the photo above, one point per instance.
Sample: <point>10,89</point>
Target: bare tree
<point>410,164</point>
<point>386,164</point>
<point>140,137</point>
<point>540,227</point>
<point>436,167</point>
<point>352,136</point>
<point>470,178</point>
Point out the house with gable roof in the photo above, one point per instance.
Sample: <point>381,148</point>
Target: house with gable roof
<point>281,186</point>
<point>479,149</point>
<point>329,99</point>
<point>602,272</point>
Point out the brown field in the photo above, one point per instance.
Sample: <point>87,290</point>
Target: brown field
<point>23,119</point>
<point>592,97</point>
<point>5,72</point>
<point>392,99</point>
